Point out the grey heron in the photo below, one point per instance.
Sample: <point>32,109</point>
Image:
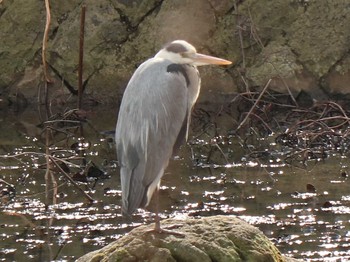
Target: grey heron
<point>154,119</point>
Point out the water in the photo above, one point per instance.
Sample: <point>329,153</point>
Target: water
<point>302,206</point>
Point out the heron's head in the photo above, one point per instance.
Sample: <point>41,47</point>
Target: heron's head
<point>181,52</point>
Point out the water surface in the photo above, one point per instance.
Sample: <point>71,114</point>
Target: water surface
<point>302,206</point>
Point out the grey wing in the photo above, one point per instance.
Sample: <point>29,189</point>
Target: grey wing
<point>152,114</point>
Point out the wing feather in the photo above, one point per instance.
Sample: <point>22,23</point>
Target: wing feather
<point>152,114</point>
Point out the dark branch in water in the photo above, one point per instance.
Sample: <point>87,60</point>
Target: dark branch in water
<point>81,56</point>
<point>71,180</point>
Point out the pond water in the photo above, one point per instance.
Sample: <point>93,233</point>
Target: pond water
<point>302,206</point>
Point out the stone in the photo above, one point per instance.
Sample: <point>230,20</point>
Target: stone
<point>216,238</point>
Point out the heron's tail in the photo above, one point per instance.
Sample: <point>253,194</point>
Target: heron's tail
<point>134,192</point>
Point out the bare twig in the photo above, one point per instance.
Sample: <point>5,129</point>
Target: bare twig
<point>285,84</point>
<point>45,37</point>
<point>43,53</point>
<point>48,173</point>
<point>63,160</point>
<point>262,121</point>
<point>222,153</point>
<point>71,180</point>
<point>336,105</point>
<point>81,56</point>
<point>239,28</point>
<point>252,108</point>
<point>6,183</point>
<point>254,31</point>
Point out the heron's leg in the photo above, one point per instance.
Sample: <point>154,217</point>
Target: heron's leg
<point>157,219</point>
<point>157,228</point>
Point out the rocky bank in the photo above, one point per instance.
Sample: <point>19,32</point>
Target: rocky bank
<point>302,45</point>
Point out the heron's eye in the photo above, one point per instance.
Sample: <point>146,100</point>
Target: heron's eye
<point>186,54</point>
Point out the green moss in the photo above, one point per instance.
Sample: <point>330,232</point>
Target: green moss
<point>120,254</point>
<point>184,251</point>
<point>98,258</point>
<point>217,238</point>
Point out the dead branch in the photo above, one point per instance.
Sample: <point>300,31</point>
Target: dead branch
<point>45,37</point>
<point>81,56</point>
<point>255,104</point>
<point>71,180</point>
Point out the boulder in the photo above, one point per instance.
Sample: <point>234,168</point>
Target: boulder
<point>216,238</point>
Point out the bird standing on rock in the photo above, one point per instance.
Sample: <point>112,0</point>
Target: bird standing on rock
<point>154,119</point>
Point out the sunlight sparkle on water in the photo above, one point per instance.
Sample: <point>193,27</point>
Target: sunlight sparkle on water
<point>208,178</point>
<point>280,206</point>
<point>256,220</point>
<point>339,209</point>
<point>215,193</point>
<point>7,250</point>
<point>345,198</point>
<point>307,219</point>
<point>233,165</point>
<point>328,246</point>
<point>273,165</point>
<point>9,167</point>
<point>251,164</point>
<point>73,216</point>
<point>93,153</point>
<point>304,195</point>
<point>66,205</point>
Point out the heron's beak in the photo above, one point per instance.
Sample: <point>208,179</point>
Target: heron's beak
<point>200,59</point>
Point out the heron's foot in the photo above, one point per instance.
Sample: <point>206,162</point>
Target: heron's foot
<point>167,230</point>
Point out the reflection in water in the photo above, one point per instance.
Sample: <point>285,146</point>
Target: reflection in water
<point>304,209</point>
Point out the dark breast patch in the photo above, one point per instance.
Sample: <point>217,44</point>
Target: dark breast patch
<point>178,69</point>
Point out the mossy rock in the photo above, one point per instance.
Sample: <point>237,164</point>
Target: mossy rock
<point>217,238</point>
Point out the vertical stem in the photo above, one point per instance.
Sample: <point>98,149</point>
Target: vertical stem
<point>49,175</point>
<point>239,28</point>
<point>81,56</point>
<point>54,188</point>
<point>48,167</point>
<point>43,50</point>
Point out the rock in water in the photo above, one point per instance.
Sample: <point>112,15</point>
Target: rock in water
<point>216,238</point>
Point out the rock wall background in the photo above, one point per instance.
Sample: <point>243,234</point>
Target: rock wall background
<point>302,45</point>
